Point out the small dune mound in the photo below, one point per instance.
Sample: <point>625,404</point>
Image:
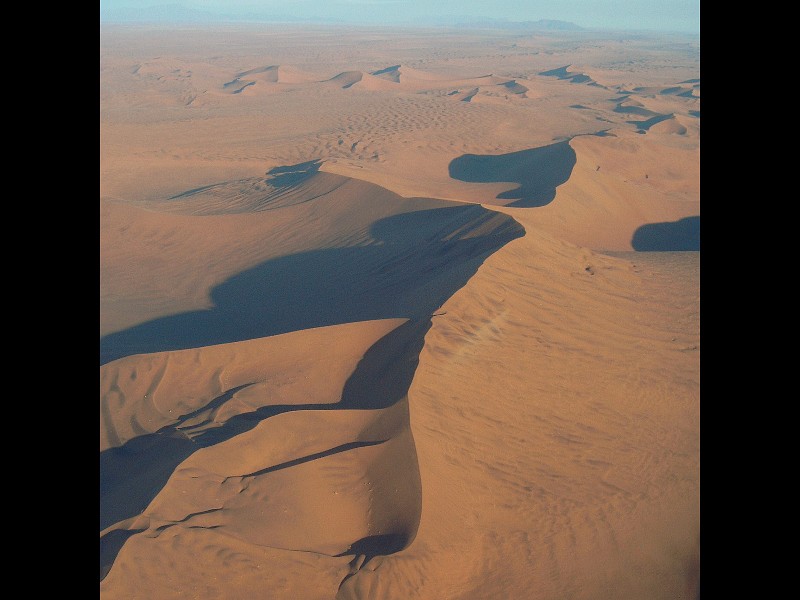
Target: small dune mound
<point>629,106</point>
<point>573,77</point>
<point>277,74</point>
<point>411,79</point>
<point>514,87</point>
<point>374,83</point>
<point>645,125</point>
<point>272,74</point>
<point>409,73</point>
<point>346,79</point>
<point>281,187</point>
<point>671,125</point>
<point>671,90</point>
<point>383,80</point>
<point>236,86</point>
<point>269,73</point>
<point>468,96</point>
<point>389,73</point>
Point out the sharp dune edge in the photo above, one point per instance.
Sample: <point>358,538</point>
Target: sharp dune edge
<point>406,316</point>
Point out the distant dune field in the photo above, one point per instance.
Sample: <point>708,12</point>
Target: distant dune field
<point>398,314</point>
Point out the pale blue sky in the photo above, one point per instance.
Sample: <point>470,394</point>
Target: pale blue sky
<point>661,15</point>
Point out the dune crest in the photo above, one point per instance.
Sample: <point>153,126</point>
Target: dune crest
<point>572,76</point>
<point>272,74</point>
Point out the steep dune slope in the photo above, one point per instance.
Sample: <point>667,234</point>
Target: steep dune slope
<point>555,413</point>
<point>277,416</point>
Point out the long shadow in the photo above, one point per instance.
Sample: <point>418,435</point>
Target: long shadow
<point>647,124</point>
<point>634,110</point>
<point>110,545</point>
<point>132,475</point>
<point>675,236</point>
<point>418,261</point>
<point>562,73</point>
<point>538,172</point>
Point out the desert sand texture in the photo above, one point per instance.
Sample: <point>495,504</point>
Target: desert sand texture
<point>399,314</point>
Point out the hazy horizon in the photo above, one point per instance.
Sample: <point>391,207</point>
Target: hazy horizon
<point>680,16</point>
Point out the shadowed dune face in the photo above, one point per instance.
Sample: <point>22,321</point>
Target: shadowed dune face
<point>565,73</point>
<point>538,172</point>
<point>648,123</point>
<point>133,474</point>
<point>413,263</point>
<point>665,237</point>
<point>418,261</point>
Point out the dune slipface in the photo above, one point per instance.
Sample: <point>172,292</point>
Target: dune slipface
<point>398,315</point>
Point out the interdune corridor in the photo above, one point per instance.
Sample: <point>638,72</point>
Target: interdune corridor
<point>398,314</point>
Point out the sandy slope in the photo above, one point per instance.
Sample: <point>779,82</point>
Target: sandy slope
<point>328,372</point>
<point>543,474</point>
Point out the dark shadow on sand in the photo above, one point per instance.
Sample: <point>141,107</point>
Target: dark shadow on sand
<point>538,172</point>
<point>634,110</point>
<point>132,475</point>
<point>562,73</point>
<point>645,125</point>
<point>372,546</point>
<point>418,261</point>
<point>375,545</point>
<point>683,235</point>
<point>110,545</point>
<point>277,177</point>
<point>416,264</point>
<point>293,174</point>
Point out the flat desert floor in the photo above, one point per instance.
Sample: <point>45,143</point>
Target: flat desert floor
<point>395,313</point>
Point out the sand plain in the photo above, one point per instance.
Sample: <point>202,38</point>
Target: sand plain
<point>399,313</point>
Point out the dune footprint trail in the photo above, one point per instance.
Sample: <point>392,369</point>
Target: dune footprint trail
<point>273,427</point>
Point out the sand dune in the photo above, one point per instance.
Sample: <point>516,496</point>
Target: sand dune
<point>401,78</point>
<point>671,125</point>
<point>498,534</point>
<point>646,124</point>
<point>389,73</point>
<point>272,74</point>
<point>398,314</point>
<point>332,239</point>
<point>570,75</point>
<point>347,79</point>
<point>633,107</point>
<point>278,74</point>
<point>625,179</point>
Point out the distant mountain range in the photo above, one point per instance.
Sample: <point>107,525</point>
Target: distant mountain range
<point>178,13</point>
<point>172,13</point>
<point>540,25</point>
